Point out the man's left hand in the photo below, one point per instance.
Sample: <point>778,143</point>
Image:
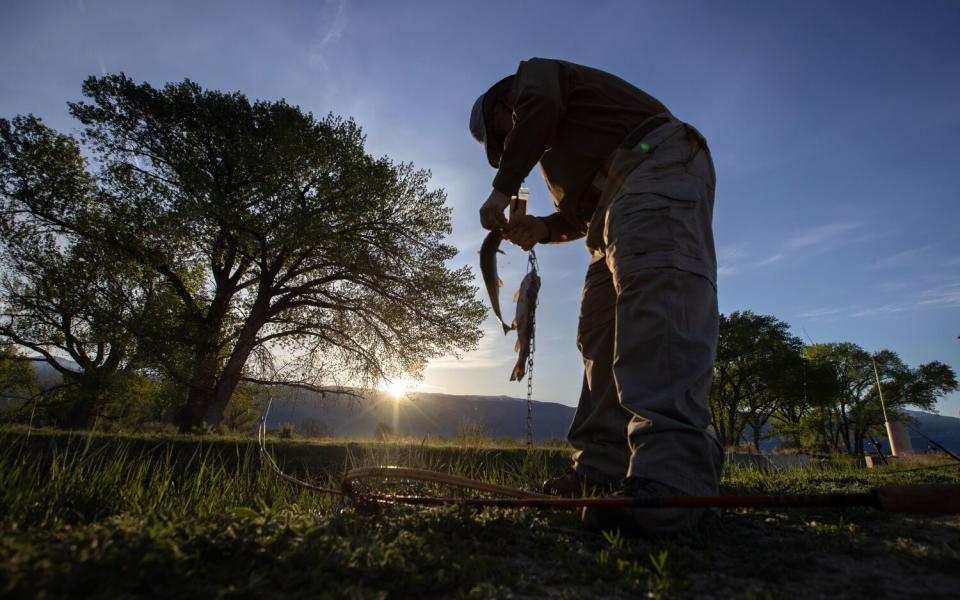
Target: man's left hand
<point>491,213</point>
<point>526,231</point>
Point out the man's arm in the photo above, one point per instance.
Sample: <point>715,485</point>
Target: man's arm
<point>538,107</point>
<point>560,229</point>
<point>526,230</point>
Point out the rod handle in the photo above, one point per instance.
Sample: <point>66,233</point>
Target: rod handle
<point>928,498</point>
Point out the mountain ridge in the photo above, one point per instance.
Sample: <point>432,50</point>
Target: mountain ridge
<point>448,415</point>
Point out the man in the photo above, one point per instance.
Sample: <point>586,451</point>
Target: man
<point>639,185</point>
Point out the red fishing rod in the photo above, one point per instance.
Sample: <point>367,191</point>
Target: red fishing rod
<point>918,499</point>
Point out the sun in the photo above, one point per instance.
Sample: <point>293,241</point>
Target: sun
<point>400,387</point>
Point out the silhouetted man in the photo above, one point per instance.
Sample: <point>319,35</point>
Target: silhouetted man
<point>639,185</point>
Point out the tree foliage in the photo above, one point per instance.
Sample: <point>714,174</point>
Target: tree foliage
<point>822,397</point>
<point>284,250</point>
<point>18,382</point>
<point>63,297</point>
<point>855,412</point>
<point>753,355</point>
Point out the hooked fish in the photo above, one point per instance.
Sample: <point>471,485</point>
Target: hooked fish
<point>526,299</point>
<point>488,267</point>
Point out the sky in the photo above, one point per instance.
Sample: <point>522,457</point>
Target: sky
<point>833,129</point>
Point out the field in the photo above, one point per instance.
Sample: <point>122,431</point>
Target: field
<point>183,517</point>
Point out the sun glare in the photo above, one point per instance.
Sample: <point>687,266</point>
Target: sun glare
<point>398,388</point>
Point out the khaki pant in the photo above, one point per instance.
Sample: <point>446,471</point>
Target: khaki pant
<point>649,321</point>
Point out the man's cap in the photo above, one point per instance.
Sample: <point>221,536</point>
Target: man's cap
<point>481,121</point>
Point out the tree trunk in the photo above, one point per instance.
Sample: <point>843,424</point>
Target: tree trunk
<point>189,417</point>
<point>731,433</point>
<point>226,385</point>
<point>79,414</point>
<point>233,370</point>
<point>86,395</point>
<point>206,364</point>
<point>859,438</point>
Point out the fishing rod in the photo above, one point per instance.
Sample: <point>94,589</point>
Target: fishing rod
<point>915,499</point>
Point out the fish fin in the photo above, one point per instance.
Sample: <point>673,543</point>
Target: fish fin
<point>516,295</point>
<point>499,283</point>
<point>516,347</point>
<point>506,328</point>
<point>499,251</point>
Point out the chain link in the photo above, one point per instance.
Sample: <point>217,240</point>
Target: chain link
<point>532,266</point>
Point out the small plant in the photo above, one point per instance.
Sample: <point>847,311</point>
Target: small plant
<point>286,431</point>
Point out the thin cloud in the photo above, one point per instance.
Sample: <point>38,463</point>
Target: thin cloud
<point>335,23</point>
<point>820,235</point>
<point>726,257</point>
<point>726,271</point>
<point>893,286</point>
<point>899,260</point>
<point>770,260</point>
<point>944,296</point>
<point>821,313</point>
<point>725,253</point>
<point>879,311</point>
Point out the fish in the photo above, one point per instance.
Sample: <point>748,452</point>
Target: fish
<point>488,268</point>
<point>524,323</point>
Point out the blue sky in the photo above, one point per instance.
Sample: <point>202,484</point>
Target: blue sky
<point>833,128</point>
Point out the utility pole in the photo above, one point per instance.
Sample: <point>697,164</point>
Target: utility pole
<point>883,407</point>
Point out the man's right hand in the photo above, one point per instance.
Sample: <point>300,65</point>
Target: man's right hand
<point>526,231</point>
<point>491,213</point>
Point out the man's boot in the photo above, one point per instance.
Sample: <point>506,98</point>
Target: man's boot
<point>645,522</point>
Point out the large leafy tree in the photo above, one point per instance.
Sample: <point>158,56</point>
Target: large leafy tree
<point>755,356</point>
<point>279,236</point>
<point>806,390</point>
<point>856,412</point>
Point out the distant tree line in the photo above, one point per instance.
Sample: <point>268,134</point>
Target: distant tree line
<point>818,397</point>
<point>190,247</point>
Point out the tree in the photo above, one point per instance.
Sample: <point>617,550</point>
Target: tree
<point>753,353</point>
<point>807,389</point>
<point>856,411</point>
<point>853,373</point>
<point>276,232</point>
<point>922,387</point>
<point>62,297</point>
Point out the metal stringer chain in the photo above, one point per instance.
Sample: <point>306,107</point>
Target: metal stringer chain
<point>531,266</point>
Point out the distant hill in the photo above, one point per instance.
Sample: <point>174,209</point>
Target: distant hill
<point>942,429</point>
<point>420,414</point>
<point>500,417</point>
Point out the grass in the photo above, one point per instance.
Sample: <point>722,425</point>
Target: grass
<point>185,517</point>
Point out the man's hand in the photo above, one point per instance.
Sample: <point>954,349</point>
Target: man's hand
<point>491,213</point>
<point>525,231</point>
